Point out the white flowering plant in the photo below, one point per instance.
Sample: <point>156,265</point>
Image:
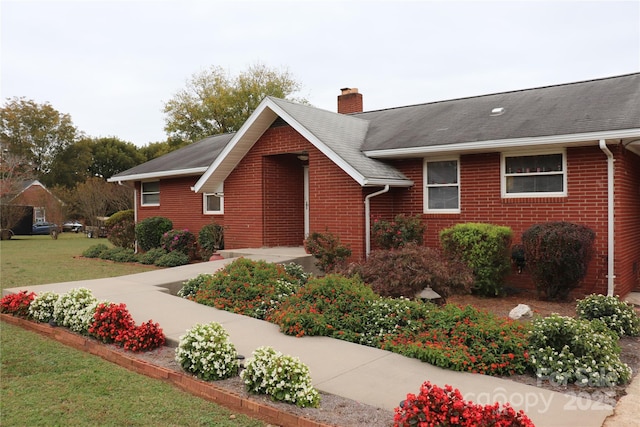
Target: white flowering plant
<point>75,310</point>
<point>41,308</point>
<point>207,352</point>
<point>618,315</point>
<point>284,378</point>
<point>567,350</point>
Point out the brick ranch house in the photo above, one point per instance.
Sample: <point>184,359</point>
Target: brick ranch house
<point>568,152</point>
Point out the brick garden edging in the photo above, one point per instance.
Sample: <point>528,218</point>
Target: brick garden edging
<point>190,384</point>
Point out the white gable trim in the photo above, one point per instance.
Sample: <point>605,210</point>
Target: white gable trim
<point>251,131</point>
<point>501,144</point>
<point>159,174</point>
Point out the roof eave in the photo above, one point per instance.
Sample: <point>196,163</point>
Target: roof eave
<point>380,182</point>
<point>503,144</point>
<point>157,175</point>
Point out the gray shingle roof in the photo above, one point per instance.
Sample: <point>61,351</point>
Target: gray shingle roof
<point>198,155</point>
<point>590,106</point>
<point>343,135</point>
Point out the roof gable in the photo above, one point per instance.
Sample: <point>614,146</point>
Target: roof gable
<point>337,136</point>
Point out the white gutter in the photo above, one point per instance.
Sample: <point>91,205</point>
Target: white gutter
<point>610,217</point>
<point>367,218</point>
<point>159,174</point>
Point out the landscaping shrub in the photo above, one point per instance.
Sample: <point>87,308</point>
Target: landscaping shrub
<point>401,231</point>
<point>41,308</point>
<point>95,251</point>
<point>145,337</point>
<point>151,256</point>
<point>149,231</point>
<point>557,256</point>
<point>121,229</point>
<point>327,250</point>
<point>284,378</point>
<point>619,316</point>
<point>566,350</point>
<point>410,269</point>
<point>111,323</point>
<point>485,249</point>
<point>17,304</point>
<point>118,254</point>
<point>179,241</point>
<point>252,288</point>
<point>207,352</point>
<point>435,406</point>
<point>210,239</point>
<point>75,310</point>
<point>464,339</point>
<point>172,259</point>
<point>192,286</point>
<point>324,306</point>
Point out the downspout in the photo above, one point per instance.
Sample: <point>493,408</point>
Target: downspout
<point>610,218</point>
<point>367,218</point>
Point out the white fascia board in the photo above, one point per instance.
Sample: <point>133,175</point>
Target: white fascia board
<point>157,175</point>
<point>231,146</point>
<point>502,144</point>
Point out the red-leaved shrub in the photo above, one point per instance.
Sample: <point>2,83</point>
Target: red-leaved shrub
<point>111,323</point>
<point>435,406</point>
<point>17,304</point>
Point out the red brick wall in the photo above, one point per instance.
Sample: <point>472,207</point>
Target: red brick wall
<point>179,204</point>
<point>481,201</point>
<point>37,196</point>
<point>627,220</point>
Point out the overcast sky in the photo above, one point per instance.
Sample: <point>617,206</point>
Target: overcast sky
<point>112,65</point>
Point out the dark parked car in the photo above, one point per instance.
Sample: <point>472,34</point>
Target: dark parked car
<point>44,228</point>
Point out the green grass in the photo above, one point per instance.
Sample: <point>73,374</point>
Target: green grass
<point>44,383</point>
<point>37,260</point>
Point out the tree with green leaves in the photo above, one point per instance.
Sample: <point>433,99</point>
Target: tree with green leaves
<point>37,132</point>
<point>112,155</point>
<point>215,102</point>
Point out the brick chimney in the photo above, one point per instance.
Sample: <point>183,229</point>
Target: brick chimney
<point>349,101</point>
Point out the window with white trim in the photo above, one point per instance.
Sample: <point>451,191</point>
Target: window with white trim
<point>150,193</point>
<point>534,175</point>
<point>213,203</point>
<point>442,186</point>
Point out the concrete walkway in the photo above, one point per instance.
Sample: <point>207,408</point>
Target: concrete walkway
<point>368,375</point>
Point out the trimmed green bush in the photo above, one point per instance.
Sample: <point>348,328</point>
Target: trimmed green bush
<point>95,251</point>
<point>151,256</point>
<point>119,255</point>
<point>410,269</point>
<point>121,229</point>
<point>557,255</point>
<point>149,231</point>
<point>619,316</point>
<point>485,248</point>
<point>172,259</point>
<point>327,249</point>
<point>210,239</point>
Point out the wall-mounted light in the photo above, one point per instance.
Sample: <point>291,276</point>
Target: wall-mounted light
<point>303,157</point>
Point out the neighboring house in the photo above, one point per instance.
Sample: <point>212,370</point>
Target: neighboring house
<point>568,152</point>
<point>46,206</point>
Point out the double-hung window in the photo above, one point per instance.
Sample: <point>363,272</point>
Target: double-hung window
<point>150,193</point>
<point>442,186</point>
<point>213,203</point>
<point>534,175</point>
